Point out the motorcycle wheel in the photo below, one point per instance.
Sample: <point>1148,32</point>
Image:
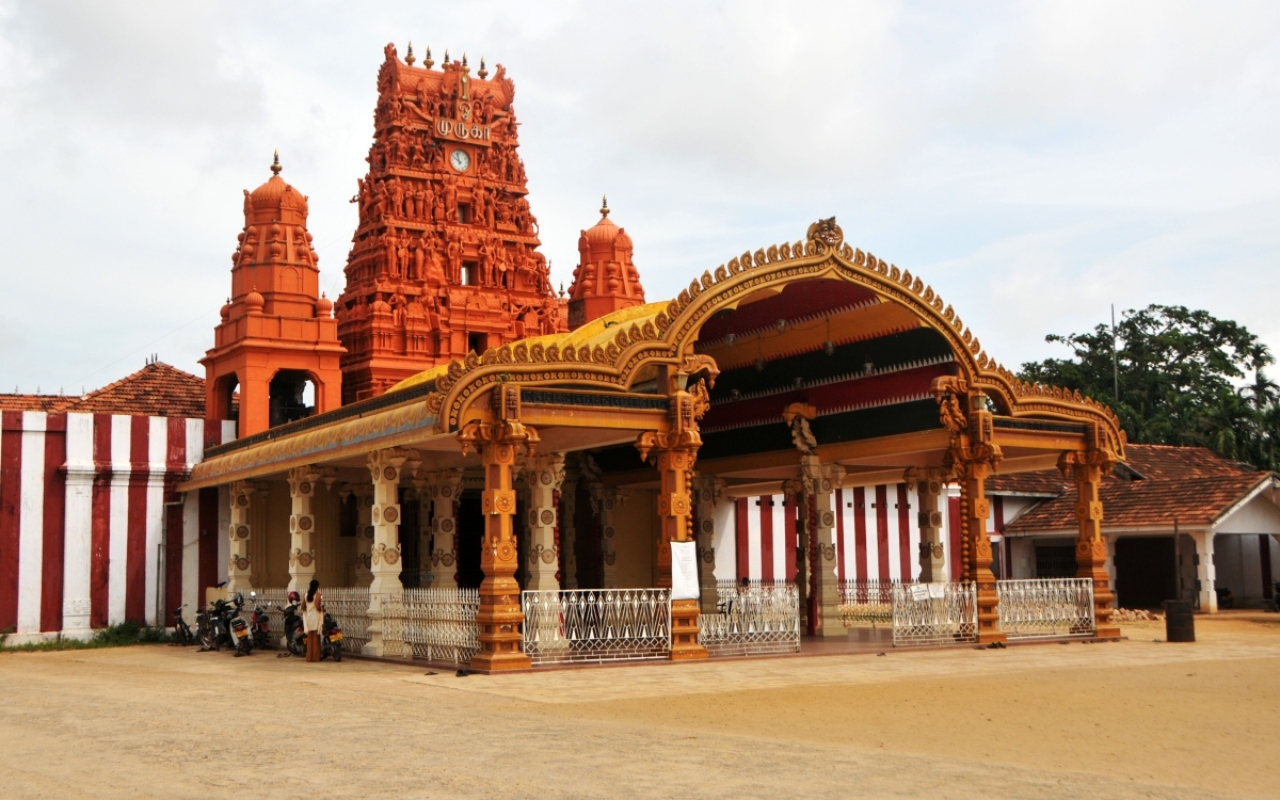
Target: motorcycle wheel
<point>244,648</point>
<point>337,651</point>
<point>208,642</point>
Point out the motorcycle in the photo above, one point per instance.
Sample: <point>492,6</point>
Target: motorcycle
<point>260,623</point>
<point>211,622</point>
<point>182,633</point>
<point>239,628</point>
<point>331,639</point>
<point>295,639</point>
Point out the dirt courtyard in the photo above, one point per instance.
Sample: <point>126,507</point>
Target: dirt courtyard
<point>1135,719</point>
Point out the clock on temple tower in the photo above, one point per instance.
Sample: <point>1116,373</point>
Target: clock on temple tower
<point>444,260</point>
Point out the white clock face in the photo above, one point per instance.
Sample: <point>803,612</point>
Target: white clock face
<point>460,160</point>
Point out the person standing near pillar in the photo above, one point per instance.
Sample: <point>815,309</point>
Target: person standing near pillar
<point>313,619</point>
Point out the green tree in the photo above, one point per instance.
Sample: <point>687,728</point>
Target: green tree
<point>1176,376</point>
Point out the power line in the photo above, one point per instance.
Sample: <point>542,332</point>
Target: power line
<point>145,346</point>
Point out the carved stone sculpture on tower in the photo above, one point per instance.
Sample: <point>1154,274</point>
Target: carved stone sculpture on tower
<point>437,223</point>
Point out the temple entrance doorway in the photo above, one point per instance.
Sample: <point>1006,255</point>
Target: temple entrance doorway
<point>470,540</point>
<point>587,547</point>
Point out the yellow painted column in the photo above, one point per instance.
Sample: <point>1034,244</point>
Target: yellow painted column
<point>303,482</point>
<point>1086,470</point>
<point>239,564</point>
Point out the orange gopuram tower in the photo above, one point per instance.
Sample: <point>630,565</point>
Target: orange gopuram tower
<point>605,280</point>
<point>277,333</point>
<point>444,260</point>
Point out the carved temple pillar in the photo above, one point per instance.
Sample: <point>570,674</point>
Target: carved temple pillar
<point>974,510</point>
<point>500,443</point>
<point>446,488</point>
<point>362,575</point>
<point>568,531</point>
<point>972,456</point>
<point>384,469</point>
<point>303,482</point>
<point>707,491</point>
<point>1086,469</point>
<point>543,475</point>
<point>239,564</point>
<point>424,489</point>
<point>607,501</point>
<point>674,454</point>
<point>931,484</point>
<point>820,482</point>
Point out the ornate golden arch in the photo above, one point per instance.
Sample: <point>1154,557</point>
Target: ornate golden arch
<point>666,336</point>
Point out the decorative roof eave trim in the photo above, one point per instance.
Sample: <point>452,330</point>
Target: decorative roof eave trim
<point>397,426</point>
<point>670,336</point>
<point>1264,480</point>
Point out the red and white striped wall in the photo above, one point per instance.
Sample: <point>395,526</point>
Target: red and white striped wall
<point>91,529</point>
<point>877,534</point>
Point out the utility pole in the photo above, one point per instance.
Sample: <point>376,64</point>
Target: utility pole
<point>1115,357</point>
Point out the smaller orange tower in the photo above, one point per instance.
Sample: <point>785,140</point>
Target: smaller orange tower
<point>605,279</point>
<point>277,332</point>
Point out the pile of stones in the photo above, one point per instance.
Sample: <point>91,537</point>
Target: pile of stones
<point>1136,615</point>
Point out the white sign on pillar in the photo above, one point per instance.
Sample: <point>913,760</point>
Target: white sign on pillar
<point>684,571</point>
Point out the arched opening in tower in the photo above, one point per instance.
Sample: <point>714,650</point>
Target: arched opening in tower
<point>292,394</point>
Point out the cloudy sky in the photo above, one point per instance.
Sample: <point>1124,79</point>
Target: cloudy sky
<point>1034,162</point>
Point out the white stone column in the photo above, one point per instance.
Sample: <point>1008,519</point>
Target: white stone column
<point>239,566</point>
<point>930,485</point>
<point>821,481</point>
<point>707,491</point>
<point>384,470</point>
<point>302,525</point>
<point>363,575</point>
<point>1206,572</point>
<point>445,489</point>
<point>568,533</point>
<point>543,475</point>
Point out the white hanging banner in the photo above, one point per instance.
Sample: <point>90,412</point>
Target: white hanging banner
<point>684,571</point>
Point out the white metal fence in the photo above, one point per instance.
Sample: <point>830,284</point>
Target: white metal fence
<point>866,602</point>
<point>934,613</point>
<point>1046,607</point>
<point>349,606</point>
<point>436,624</point>
<point>753,620</point>
<point>593,625</point>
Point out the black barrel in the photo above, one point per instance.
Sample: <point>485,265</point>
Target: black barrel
<point>1179,622</point>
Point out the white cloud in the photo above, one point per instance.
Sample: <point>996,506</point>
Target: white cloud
<point>1034,162</point>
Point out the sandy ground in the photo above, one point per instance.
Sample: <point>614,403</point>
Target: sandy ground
<point>1136,719</point>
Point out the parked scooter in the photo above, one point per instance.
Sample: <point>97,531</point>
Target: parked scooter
<point>241,635</point>
<point>331,639</point>
<point>260,623</point>
<point>295,639</point>
<point>213,624</point>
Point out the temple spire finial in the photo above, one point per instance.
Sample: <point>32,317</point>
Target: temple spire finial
<point>604,205</point>
<point>408,57</point>
<point>484,72</point>
<point>426,60</point>
<point>446,55</point>
<point>275,163</point>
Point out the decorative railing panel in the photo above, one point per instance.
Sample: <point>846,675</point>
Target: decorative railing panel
<point>866,602</point>
<point>753,620</point>
<point>597,625</point>
<point>439,624</point>
<point>934,613</point>
<point>349,606</point>
<point>1046,607</point>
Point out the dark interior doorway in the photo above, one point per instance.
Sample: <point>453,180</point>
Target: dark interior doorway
<point>586,543</point>
<point>410,570</point>
<point>470,540</point>
<point>1146,571</point>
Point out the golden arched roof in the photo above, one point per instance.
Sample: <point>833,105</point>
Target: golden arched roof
<point>609,353</point>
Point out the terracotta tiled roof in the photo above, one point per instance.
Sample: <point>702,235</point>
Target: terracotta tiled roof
<point>34,402</point>
<point>157,390</point>
<point>1046,483</point>
<point>1166,462</point>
